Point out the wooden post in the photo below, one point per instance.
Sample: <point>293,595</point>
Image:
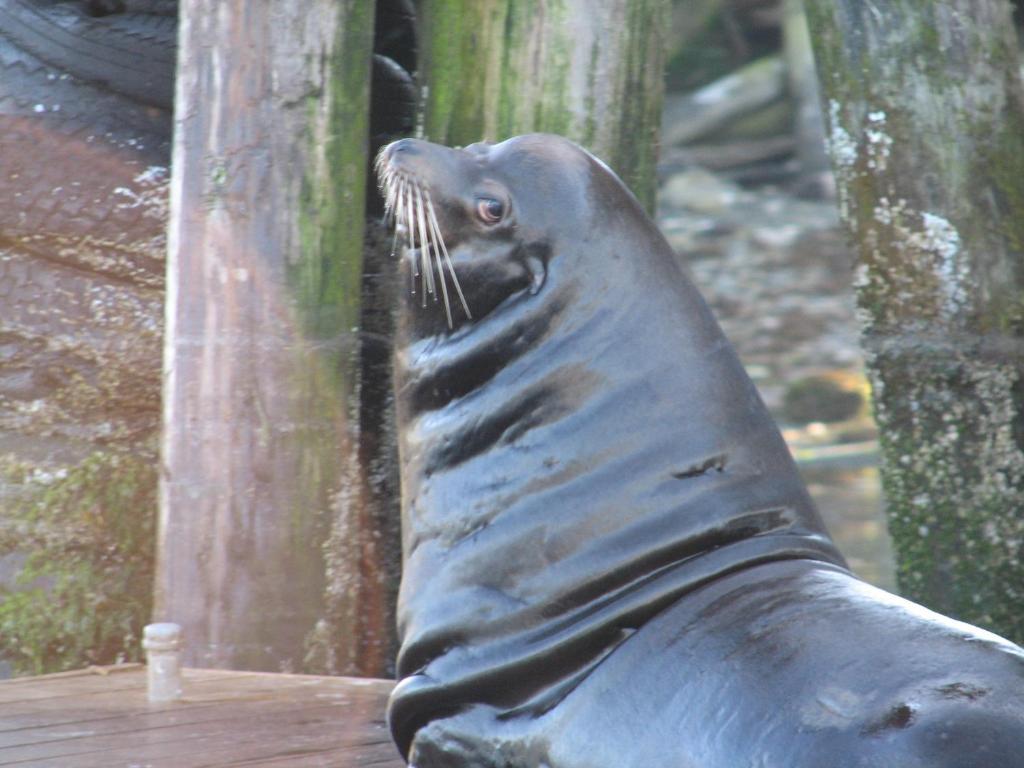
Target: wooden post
<point>591,70</point>
<point>925,119</point>
<point>265,247</point>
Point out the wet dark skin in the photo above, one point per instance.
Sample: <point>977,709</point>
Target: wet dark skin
<point>610,560</point>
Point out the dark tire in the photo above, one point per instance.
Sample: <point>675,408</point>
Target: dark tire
<point>395,32</point>
<point>128,53</point>
<point>393,95</point>
<point>76,161</point>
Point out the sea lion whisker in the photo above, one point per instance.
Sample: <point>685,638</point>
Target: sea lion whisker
<point>386,187</point>
<point>391,201</point>
<point>407,188</point>
<point>393,182</point>
<point>427,243</point>
<point>421,227</point>
<point>392,213</point>
<point>426,274</point>
<point>394,241</point>
<point>436,241</point>
<point>408,203</point>
<point>448,259</point>
<point>400,186</point>
<point>388,192</point>
<point>405,200</point>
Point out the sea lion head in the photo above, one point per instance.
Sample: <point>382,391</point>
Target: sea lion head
<point>483,223</point>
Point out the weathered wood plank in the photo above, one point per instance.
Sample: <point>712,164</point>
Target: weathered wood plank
<point>43,685</point>
<point>290,750</point>
<point>368,759</point>
<point>38,729</point>
<point>331,725</point>
<point>86,684</point>
<point>225,719</point>
<point>199,694</point>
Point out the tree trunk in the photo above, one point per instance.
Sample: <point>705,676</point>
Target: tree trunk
<point>925,116</point>
<point>591,70</point>
<point>264,275</point>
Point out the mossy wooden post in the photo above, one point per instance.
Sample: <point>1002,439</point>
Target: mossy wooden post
<point>925,118</point>
<point>265,243</point>
<point>591,70</point>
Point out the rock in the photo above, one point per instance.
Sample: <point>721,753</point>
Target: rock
<point>821,399</point>
<point>699,115</point>
<point>732,154</point>
<point>699,191</point>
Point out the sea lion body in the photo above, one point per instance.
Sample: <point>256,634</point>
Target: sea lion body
<point>610,559</point>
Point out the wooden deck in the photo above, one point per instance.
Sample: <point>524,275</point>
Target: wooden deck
<point>100,718</point>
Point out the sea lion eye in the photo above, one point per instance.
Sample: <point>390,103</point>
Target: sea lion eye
<point>490,210</point>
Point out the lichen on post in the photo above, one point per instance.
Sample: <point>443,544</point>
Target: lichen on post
<point>925,121</point>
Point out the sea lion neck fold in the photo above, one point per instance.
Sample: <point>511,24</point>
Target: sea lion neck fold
<point>577,456</point>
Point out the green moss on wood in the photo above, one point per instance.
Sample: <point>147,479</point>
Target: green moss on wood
<point>635,156</point>
<point>1002,160</point>
<point>328,288</point>
<point>457,53</point>
<point>327,274</point>
<point>491,69</point>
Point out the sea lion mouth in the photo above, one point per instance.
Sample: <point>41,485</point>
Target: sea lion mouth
<point>409,210</point>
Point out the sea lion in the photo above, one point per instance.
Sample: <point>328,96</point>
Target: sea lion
<point>610,559</point>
